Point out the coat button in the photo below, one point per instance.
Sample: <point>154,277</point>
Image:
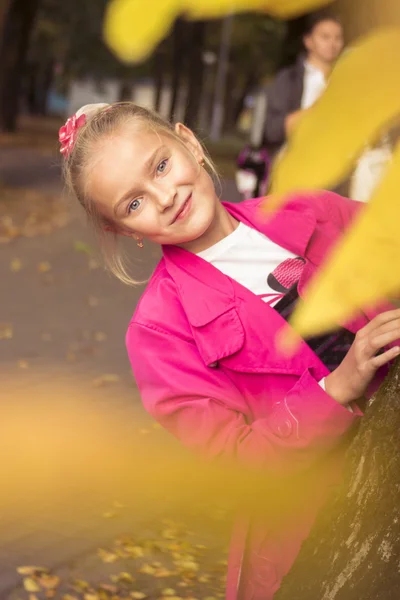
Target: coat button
<point>285,428</point>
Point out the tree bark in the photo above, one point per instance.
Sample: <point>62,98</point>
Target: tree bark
<point>195,74</point>
<point>13,48</point>
<point>179,51</point>
<point>353,551</point>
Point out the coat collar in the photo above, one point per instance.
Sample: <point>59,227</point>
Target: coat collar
<point>205,292</point>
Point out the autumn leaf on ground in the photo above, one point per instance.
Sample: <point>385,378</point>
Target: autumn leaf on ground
<point>15,265</point>
<point>6,331</point>
<point>31,585</point>
<point>106,556</point>
<point>44,267</point>
<point>83,247</point>
<point>29,570</point>
<point>105,379</point>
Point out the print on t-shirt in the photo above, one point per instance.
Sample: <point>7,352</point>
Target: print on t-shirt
<point>286,274</point>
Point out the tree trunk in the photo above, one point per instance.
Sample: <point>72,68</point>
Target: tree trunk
<point>353,551</point>
<point>13,49</point>
<point>195,74</point>
<point>159,77</point>
<point>179,51</point>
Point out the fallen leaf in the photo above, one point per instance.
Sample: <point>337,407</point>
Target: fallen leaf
<point>168,592</point>
<point>44,267</point>
<point>124,578</point>
<point>31,585</point>
<point>6,331</point>
<point>147,569</point>
<point>83,247</point>
<point>81,585</point>
<point>105,379</point>
<point>138,595</point>
<point>109,588</point>
<point>15,265</point>
<point>49,582</point>
<point>51,593</point>
<point>91,596</point>
<point>69,597</point>
<point>106,556</point>
<point>31,570</point>
<point>100,336</point>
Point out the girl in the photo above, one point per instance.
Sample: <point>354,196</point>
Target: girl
<point>202,339</point>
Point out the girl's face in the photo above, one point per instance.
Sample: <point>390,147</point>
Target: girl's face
<point>151,185</point>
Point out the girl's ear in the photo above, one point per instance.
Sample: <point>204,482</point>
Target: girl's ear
<point>190,141</point>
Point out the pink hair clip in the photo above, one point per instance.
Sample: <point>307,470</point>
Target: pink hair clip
<point>67,134</point>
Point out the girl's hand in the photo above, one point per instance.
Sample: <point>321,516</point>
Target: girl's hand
<point>351,378</point>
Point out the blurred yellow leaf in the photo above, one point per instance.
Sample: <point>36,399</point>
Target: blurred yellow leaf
<point>100,336</point>
<point>31,570</point>
<point>105,379</point>
<point>6,331</point>
<point>106,556</point>
<point>138,595</point>
<point>365,265</point>
<point>31,585</point>
<point>15,265</point>
<point>151,24</point>
<point>44,267</point>
<point>361,98</point>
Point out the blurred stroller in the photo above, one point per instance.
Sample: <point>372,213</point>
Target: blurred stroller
<point>253,170</point>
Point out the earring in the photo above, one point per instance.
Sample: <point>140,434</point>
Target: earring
<point>139,243</point>
<point>201,162</point>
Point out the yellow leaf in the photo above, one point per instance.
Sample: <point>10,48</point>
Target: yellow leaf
<point>138,595</point>
<point>44,267</point>
<point>91,596</point>
<point>151,26</point>
<point>100,336</point>
<point>49,582</point>
<point>363,264</point>
<point>125,578</point>
<point>362,96</point>
<point>31,570</point>
<point>31,585</point>
<point>106,379</point>
<point>6,331</point>
<point>106,556</point>
<point>147,569</point>
<point>15,265</point>
<point>168,592</point>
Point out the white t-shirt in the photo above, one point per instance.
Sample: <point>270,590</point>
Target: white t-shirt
<point>260,265</point>
<point>252,259</point>
<point>314,85</point>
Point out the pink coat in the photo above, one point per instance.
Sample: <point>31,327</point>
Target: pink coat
<point>208,371</point>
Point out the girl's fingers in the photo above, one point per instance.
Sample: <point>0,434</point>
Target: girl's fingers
<point>382,319</point>
<point>381,340</point>
<point>383,359</point>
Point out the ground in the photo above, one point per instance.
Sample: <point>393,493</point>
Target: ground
<point>73,432</point>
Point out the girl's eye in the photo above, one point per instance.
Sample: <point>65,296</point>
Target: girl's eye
<point>135,205</point>
<point>162,166</point>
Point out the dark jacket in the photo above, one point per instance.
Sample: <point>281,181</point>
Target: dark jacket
<point>283,97</point>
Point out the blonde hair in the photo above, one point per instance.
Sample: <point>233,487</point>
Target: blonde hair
<point>103,120</point>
